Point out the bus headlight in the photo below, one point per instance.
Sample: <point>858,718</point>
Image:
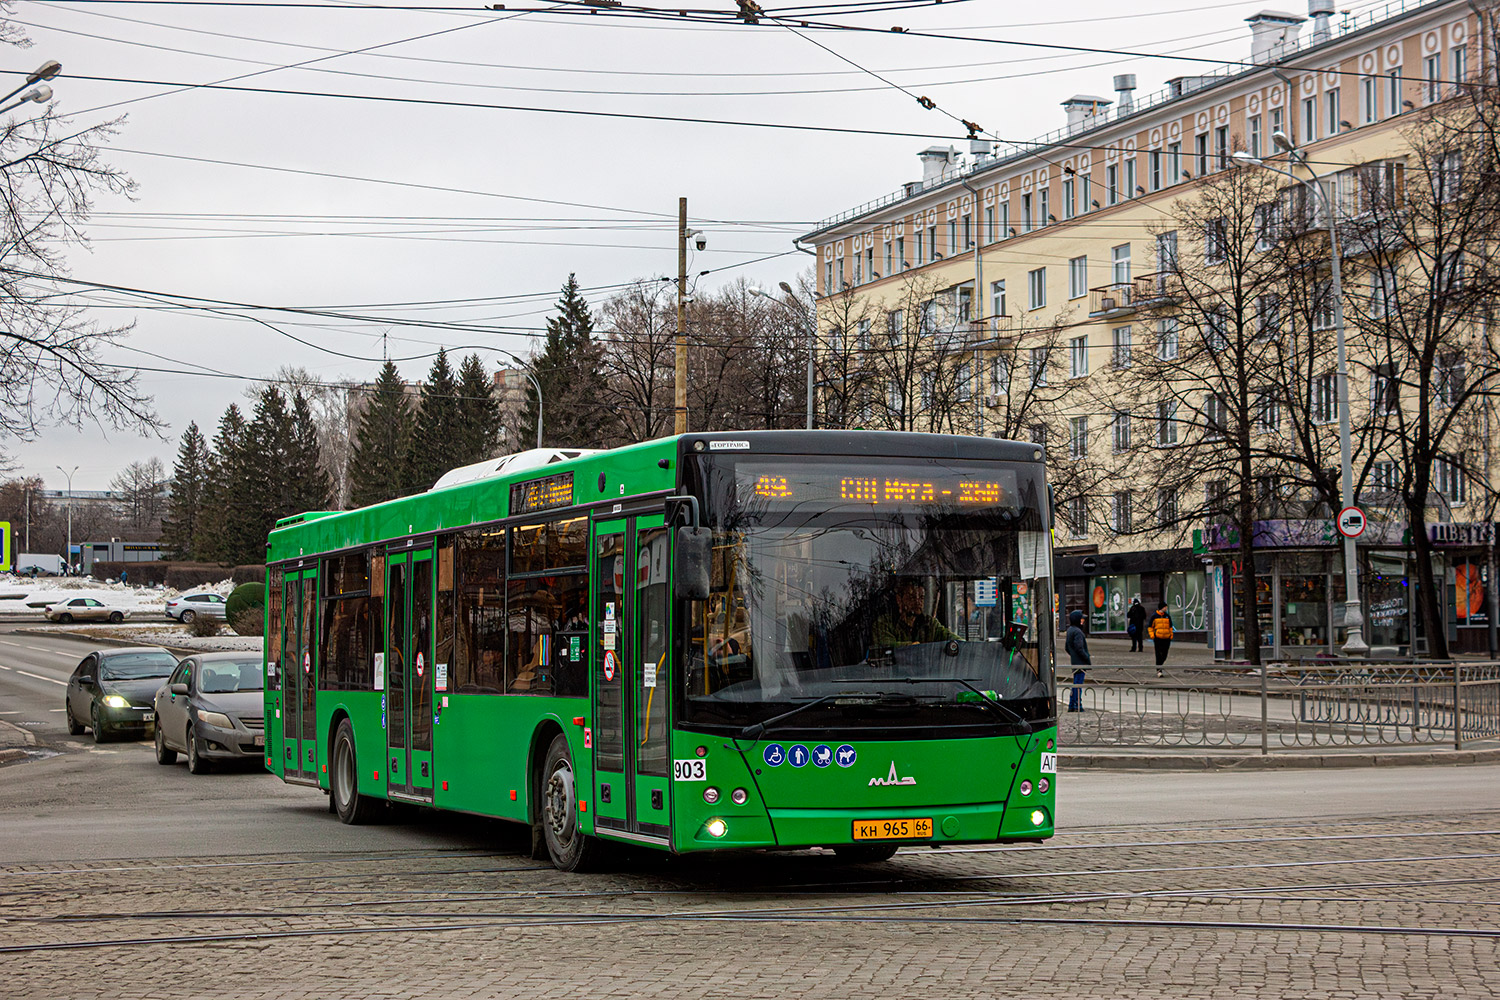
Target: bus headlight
<point>716,827</point>
<point>1038,817</point>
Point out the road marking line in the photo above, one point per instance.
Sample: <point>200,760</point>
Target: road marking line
<point>57,709</point>
<point>3,667</point>
<point>10,713</point>
<point>49,680</point>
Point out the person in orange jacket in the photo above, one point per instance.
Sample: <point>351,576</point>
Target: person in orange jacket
<point>1160,631</point>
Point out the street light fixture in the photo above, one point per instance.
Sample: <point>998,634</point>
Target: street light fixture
<point>41,94</point>
<point>1354,644</point>
<point>69,555</point>
<point>811,330</point>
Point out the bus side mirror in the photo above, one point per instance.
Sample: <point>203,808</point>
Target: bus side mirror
<point>693,553</point>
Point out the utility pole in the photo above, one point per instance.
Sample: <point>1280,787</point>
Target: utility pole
<point>681,425</point>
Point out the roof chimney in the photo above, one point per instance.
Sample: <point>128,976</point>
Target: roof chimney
<point>1082,107</point>
<point>1320,11</point>
<point>1273,34</point>
<point>1125,92</point>
<point>935,163</point>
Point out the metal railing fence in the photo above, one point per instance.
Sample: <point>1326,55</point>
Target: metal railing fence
<point>1280,706</point>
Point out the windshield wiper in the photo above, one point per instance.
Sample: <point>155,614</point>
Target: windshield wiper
<point>984,698</point>
<point>752,731</point>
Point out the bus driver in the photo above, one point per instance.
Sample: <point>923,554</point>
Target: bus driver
<point>908,623</point>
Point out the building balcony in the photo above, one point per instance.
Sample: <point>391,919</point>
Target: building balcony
<point>1116,299</point>
<point>993,331</point>
<point>1160,288</point>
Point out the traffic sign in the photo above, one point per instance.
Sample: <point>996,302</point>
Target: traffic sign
<point>1352,522</point>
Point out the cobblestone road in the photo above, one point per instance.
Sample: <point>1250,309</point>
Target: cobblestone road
<point>1347,909</point>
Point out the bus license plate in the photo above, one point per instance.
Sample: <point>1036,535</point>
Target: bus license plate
<point>893,829</point>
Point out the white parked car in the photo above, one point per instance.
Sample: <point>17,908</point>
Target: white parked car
<point>190,606</point>
<point>85,609</point>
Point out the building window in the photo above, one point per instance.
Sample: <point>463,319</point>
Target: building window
<point>1449,383</point>
<point>1174,163</point>
<point>1267,413</point>
<point>1215,241</point>
<point>1078,437</point>
<point>1166,251</point>
<point>838,276</point>
<point>1255,146</point>
<point>1331,103</point>
<point>968,232</point>
<point>1121,513</point>
<point>1383,476</point>
<point>859,269</point>
<point>965,383</point>
<point>1393,92</point>
<point>1078,526</point>
<point>1221,147</point>
<point>1078,356</point>
<point>921,259</point>
<point>889,269</point>
<point>1120,425</point>
<point>1044,213</point>
<point>1112,184</point>
<point>1325,401</point>
<point>1267,225</point>
<point>895,326</point>
<point>1432,71</point>
<point>1370,94</point>
<point>1216,329</point>
<point>1460,68</point>
<point>1004,220</point>
<point>1385,391</point>
<point>1166,507</point>
<point>1039,434</point>
<point>928,384</point>
<point>1309,119</point>
<point>862,338</point>
<point>989,225</point>
<point>1131,183</point>
<point>828,277</point>
<point>1036,288</point>
<point>1448,477</point>
<point>1039,365</point>
<point>1086,195</point>
<point>1078,277</point>
<point>1166,338</point>
<point>901,262</point>
<point>1120,264</point>
<point>1155,170</point>
<point>1448,176</point>
<point>1000,376</point>
<point>952,237</point>
<point>997,298</point>
<point>1268,316</point>
<point>1200,150</point>
<point>1383,291</point>
<point>1166,422</point>
<point>1215,418</point>
<point>1122,346</point>
<point>932,243</point>
<point>1026,219</point>
<point>1069,205</point>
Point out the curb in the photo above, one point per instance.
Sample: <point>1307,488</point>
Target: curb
<point>102,640</point>
<point>12,736</point>
<point>1273,762</point>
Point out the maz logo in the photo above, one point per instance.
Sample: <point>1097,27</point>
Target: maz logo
<point>893,780</point>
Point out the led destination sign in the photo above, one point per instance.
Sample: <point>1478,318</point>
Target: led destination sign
<point>542,494</point>
<point>905,485</point>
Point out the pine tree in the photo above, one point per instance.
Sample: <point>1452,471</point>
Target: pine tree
<point>377,468</point>
<point>211,538</point>
<point>479,412</point>
<point>190,485</point>
<point>309,488</point>
<point>435,446</point>
<point>569,369</point>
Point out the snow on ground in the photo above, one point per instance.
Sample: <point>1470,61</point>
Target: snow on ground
<point>166,634</point>
<point>17,592</point>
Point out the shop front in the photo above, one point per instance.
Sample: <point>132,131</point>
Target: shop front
<point>1103,586</point>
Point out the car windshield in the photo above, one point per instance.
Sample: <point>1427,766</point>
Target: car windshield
<point>864,613</point>
<point>224,676</point>
<point>137,666</point>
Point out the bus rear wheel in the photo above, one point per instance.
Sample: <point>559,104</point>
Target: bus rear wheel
<point>569,847</point>
<point>865,854</point>
<point>343,779</point>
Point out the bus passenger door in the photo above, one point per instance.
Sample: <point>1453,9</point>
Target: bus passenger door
<point>629,689</point>
<point>408,675</point>
<point>299,719</point>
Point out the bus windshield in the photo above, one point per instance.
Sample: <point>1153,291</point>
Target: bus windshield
<point>909,594</point>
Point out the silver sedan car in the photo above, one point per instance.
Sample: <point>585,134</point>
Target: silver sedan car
<point>211,709</point>
<point>189,606</point>
<point>85,609</point>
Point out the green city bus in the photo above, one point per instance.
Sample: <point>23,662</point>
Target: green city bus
<point>760,639</point>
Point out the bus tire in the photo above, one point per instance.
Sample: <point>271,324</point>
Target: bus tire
<point>343,780</point>
<point>569,847</point>
<point>865,854</point>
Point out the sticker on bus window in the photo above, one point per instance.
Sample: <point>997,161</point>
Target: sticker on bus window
<point>607,640</point>
<point>648,676</point>
<point>379,671</point>
<point>609,666</point>
<point>440,676</point>
<point>609,610</point>
<point>693,769</point>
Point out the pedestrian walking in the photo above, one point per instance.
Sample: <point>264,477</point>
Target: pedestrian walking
<point>1136,625</point>
<point>1077,646</point>
<point>1160,631</point>
<point>124,575</point>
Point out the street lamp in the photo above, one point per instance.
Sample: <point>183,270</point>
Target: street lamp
<point>39,92</point>
<point>69,556</point>
<point>1354,644</point>
<point>811,331</point>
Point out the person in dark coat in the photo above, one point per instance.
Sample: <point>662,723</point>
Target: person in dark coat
<point>1136,624</point>
<point>1077,646</point>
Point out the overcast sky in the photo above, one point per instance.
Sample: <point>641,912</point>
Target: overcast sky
<point>495,207</point>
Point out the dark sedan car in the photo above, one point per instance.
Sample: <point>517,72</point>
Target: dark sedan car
<point>111,690</point>
<point>211,709</point>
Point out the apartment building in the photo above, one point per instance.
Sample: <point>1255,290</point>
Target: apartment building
<point>1039,270</point>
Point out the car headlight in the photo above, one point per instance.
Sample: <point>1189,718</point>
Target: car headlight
<point>215,719</point>
<point>115,701</point>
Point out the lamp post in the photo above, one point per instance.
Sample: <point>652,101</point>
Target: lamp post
<point>811,331</point>
<point>1354,644</point>
<point>68,556</point>
<point>39,92</point>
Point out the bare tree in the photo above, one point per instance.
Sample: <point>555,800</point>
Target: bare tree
<point>51,353</point>
<point>638,331</point>
<point>140,497</point>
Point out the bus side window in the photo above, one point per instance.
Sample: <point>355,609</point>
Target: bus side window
<point>479,666</point>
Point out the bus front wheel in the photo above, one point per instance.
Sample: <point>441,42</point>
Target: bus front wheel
<point>570,849</point>
<point>352,807</point>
